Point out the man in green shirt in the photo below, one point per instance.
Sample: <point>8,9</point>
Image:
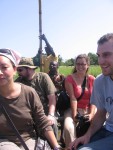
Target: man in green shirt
<point>43,85</point>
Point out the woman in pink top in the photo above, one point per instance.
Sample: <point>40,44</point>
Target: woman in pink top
<point>73,85</point>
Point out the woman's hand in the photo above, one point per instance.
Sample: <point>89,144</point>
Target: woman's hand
<point>51,119</point>
<point>89,117</point>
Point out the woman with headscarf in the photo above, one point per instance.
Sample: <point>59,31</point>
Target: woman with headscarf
<point>23,106</point>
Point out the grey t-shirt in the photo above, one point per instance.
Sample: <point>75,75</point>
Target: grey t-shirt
<point>102,97</point>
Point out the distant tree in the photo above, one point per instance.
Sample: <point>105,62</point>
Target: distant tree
<point>60,61</point>
<point>69,62</point>
<point>36,60</point>
<point>93,59</point>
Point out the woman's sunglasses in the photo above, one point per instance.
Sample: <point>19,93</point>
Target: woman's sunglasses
<point>7,51</point>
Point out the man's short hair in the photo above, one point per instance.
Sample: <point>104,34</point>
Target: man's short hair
<point>105,38</point>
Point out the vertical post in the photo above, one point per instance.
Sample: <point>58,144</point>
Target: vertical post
<point>40,32</point>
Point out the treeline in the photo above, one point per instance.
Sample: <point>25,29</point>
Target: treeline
<point>70,62</point>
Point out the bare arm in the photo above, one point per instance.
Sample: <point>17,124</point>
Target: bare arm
<point>52,106</point>
<point>92,111</point>
<point>73,101</point>
<point>52,103</point>
<point>96,124</point>
<point>49,49</point>
<point>51,138</point>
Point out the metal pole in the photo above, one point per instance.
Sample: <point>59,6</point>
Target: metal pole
<point>40,32</point>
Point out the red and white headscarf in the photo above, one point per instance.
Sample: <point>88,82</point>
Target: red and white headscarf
<point>11,54</point>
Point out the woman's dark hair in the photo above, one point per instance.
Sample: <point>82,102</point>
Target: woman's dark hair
<point>87,58</point>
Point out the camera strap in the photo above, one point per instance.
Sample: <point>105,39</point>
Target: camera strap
<point>83,89</point>
<point>13,126</point>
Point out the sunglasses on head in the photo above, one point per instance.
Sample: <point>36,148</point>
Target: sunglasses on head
<point>7,51</point>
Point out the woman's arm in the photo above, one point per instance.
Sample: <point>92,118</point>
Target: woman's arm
<point>92,111</point>
<point>52,140</point>
<point>73,100</point>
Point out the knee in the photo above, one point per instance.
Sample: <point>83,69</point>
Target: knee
<point>68,124</point>
<point>8,146</point>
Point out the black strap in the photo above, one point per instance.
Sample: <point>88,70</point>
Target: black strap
<point>83,88</point>
<point>13,127</point>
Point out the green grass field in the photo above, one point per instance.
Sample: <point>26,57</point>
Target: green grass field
<point>66,70</point>
<point>93,70</point>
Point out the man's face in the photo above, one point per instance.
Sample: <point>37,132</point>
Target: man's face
<point>105,57</point>
<point>22,71</point>
<point>53,66</point>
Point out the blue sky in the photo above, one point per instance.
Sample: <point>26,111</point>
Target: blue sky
<point>71,26</point>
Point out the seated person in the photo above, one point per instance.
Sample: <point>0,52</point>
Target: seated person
<point>58,79</point>
<point>98,136</point>
<point>24,108</point>
<point>79,98</point>
<point>43,85</point>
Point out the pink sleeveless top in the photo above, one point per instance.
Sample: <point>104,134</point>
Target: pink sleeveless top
<point>85,100</point>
